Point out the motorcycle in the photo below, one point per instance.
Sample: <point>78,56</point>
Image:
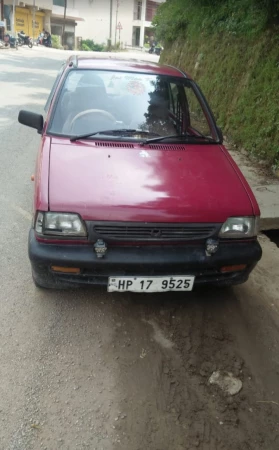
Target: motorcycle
<point>44,41</point>
<point>23,39</point>
<point>47,42</point>
<point>156,50</point>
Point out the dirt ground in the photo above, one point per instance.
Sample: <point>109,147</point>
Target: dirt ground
<point>109,371</point>
<point>85,369</point>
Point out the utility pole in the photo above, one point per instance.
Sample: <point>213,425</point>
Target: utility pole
<point>110,25</point>
<point>2,10</point>
<point>64,24</point>
<point>34,18</point>
<point>14,10</point>
<point>116,17</point>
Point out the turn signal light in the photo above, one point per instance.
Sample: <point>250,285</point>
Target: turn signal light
<point>73,270</point>
<point>236,268</point>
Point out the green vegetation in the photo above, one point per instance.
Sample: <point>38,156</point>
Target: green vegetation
<point>178,18</point>
<point>231,49</point>
<point>88,45</point>
<point>55,41</point>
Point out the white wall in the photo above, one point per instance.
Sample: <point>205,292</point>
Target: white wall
<point>43,4</point>
<point>97,20</point>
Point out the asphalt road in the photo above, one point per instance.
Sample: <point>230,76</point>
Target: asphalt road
<point>85,369</point>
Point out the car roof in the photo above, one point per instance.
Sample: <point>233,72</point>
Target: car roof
<point>124,65</point>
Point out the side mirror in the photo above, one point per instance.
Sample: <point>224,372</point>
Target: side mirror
<point>220,134</point>
<point>32,120</point>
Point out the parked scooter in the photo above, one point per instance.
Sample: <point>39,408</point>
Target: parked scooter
<point>47,40</point>
<point>155,50</point>
<point>44,39</point>
<point>152,48</point>
<point>23,39</point>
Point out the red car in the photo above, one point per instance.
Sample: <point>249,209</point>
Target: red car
<point>133,187</point>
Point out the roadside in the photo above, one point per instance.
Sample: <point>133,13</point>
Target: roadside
<point>265,187</point>
<point>85,369</point>
<point>125,54</point>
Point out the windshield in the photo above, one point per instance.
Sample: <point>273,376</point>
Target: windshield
<point>92,101</point>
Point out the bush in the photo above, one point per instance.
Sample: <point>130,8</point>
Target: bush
<point>118,47</point>
<point>231,47</point>
<point>89,45</point>
<point>175,18</point>
<point>85,47</point>
<point>240,80</point>
<point>56,42</point>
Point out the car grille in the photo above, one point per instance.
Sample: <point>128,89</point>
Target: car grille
<point>152,232</point>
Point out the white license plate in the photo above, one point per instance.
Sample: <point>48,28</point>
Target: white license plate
<point>151,284</point>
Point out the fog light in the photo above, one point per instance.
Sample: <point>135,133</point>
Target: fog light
<point>236,268</point>
<point>73,270</point>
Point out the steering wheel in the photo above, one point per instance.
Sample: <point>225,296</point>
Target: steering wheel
<point>94,112</point>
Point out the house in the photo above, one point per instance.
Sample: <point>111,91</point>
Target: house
<point>124,21</point>
<point>72,18</point>
<point>27,18</point>
<point>34,16</point>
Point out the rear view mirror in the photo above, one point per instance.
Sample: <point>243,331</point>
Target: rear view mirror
<point>32,120</point>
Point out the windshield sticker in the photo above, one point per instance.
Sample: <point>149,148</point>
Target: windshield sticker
<point>136,87</point>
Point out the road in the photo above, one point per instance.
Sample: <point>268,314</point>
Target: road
<point>85,369</point>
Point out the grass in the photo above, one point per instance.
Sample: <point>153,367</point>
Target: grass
<point>240,78</point>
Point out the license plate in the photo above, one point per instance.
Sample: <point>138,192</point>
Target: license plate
<point>150,284</point>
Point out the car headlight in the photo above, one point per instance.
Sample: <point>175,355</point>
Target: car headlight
<point>60,224</point>
<point>240,227</point>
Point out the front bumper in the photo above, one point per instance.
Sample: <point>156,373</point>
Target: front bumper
<point>144,261</point>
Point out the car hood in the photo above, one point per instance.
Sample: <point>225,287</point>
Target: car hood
<point>159,183</point>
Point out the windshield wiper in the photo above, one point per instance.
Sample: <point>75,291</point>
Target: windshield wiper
<point>121,132</point>
<point>185,137</point>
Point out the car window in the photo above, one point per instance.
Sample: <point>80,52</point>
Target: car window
<point>198,120</point>
<point>174,98</point>
<point>55,84</point>
<point>178,107</point>
<point>94,100</point>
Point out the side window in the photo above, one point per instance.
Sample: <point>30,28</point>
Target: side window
<point>174,105</point>
<point>198,120</point>
<point>54,87</point>
<point>177,108</point>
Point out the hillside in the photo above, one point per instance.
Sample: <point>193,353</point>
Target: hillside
<point>236,63</point>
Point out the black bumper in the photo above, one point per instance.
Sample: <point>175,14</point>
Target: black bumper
<point>145,261</point>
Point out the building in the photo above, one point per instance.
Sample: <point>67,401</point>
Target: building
<point>45,15</point>
<point>124,21</point>
<point>72,18</point>
<point>130,21</point>
<point>25,13</point>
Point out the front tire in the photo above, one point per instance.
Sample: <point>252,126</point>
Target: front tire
<point>30,45</point>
